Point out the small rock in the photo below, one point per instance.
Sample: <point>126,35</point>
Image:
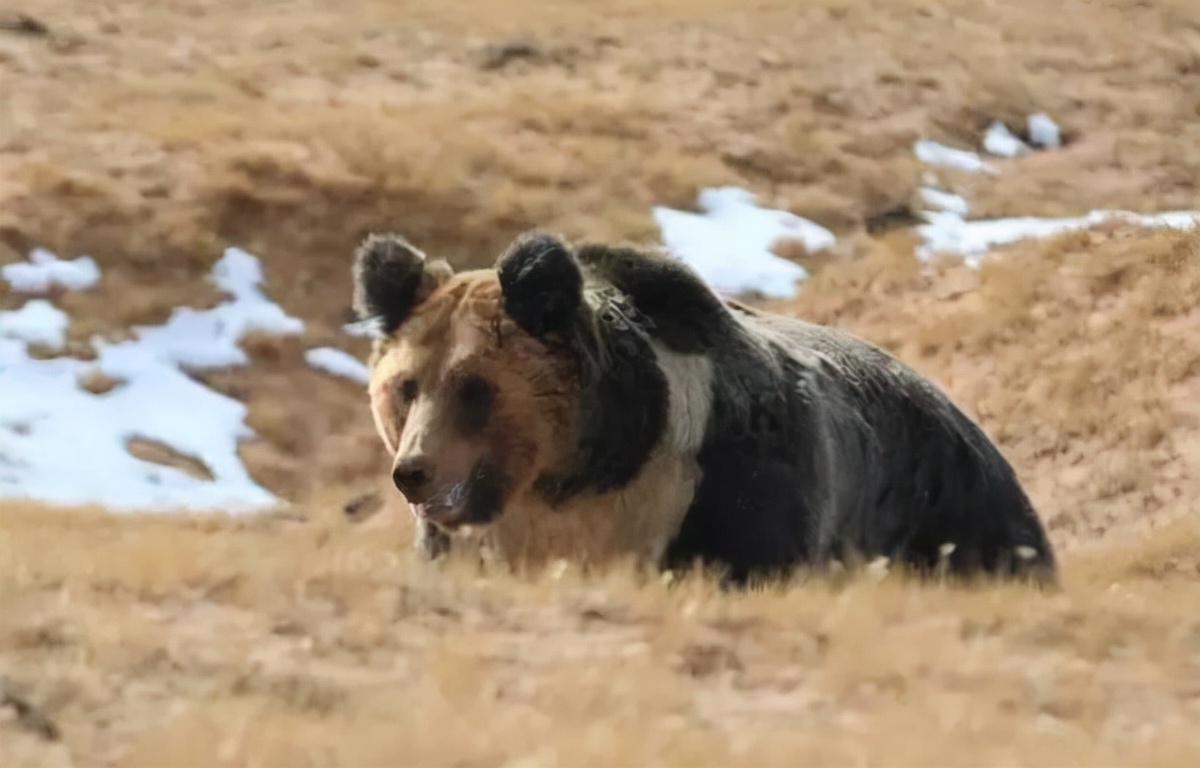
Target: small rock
<point>363,507</point>
<point>23,24</point>
<point>499,55</point>
<point>28,714</point>
<point>1026,553</point>
<point>897,216</point>
<point>368,60</point>
<point>878,569</point>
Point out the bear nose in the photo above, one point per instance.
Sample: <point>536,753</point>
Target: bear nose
<point>411,476</point>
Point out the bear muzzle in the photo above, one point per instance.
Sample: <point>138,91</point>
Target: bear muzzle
<point>413,477</point>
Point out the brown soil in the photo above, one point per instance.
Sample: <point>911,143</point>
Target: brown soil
<point>151,135</point>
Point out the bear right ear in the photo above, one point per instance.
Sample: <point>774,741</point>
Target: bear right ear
<point>391,277</point>
<point>542,284</point>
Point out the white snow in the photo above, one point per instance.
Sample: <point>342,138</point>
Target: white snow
<point>1043,132</point>
<point>62,444</point>
<point>339,363</point>
<point>729,244</point>
<point>1000,141</point>
<point>209,338</point>
<point>44,269</point>
<point>948,232</point>
<point>368,329</point>
<point>945,201</point>
<point>933,153</point>
<point>37,322</point>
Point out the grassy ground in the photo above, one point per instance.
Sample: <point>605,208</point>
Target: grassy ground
<point>166,643</point>
<point>151,135</point>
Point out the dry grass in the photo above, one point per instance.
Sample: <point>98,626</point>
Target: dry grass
<point>212,642</point>
<point>151,135</point>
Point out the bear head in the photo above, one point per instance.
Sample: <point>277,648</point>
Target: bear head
<point>477,378</point>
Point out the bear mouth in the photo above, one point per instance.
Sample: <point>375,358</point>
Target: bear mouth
<point>477,501</point>
<point>445,516</point>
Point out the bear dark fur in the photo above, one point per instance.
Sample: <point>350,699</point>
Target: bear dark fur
<point>819,446</point>
<point>390,277</point>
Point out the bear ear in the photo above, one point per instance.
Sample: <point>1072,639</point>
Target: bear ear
<point>391,277</point>
<point>542,284</point>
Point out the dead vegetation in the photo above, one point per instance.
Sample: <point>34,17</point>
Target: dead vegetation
<point>152,135</point>
<point>216,642</point>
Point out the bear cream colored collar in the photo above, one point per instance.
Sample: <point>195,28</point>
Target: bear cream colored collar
<point>637,522</point>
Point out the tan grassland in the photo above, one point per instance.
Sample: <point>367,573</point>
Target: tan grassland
<point>152,134</point>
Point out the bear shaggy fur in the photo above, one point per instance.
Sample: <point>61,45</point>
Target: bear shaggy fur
<point>598,402</point>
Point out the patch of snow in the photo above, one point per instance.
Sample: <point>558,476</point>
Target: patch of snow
<point>209,338</point>
<point>62,444</point>
<point>366,329</point>
<point>339,363</point>
<point>948,232</point>
<point>37,322</point>
<point>945,201</point>
<point>1043,132</point>
<point>1000,141</point>
<point>933,153</point>
<point>44,269</point>
<point>729,244</point>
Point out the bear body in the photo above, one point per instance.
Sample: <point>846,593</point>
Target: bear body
<point>652,419</point>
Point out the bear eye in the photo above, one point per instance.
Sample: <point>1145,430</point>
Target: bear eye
<point>475,389</point>
<point>475,397</point>
<point>408,390</point>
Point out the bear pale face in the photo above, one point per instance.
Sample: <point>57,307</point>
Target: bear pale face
<point>471,407</point>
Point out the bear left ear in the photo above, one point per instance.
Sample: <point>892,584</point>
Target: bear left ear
<point>542,284</point>
<point>391,277</point>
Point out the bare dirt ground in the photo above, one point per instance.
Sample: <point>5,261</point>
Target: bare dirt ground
<point>150,135</point>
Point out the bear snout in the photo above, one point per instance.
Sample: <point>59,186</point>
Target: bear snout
<point>413,476</point>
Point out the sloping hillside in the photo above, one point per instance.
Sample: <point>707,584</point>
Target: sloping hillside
<point>152,137</point>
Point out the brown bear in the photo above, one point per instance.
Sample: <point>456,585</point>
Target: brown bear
<point>603,402</point>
